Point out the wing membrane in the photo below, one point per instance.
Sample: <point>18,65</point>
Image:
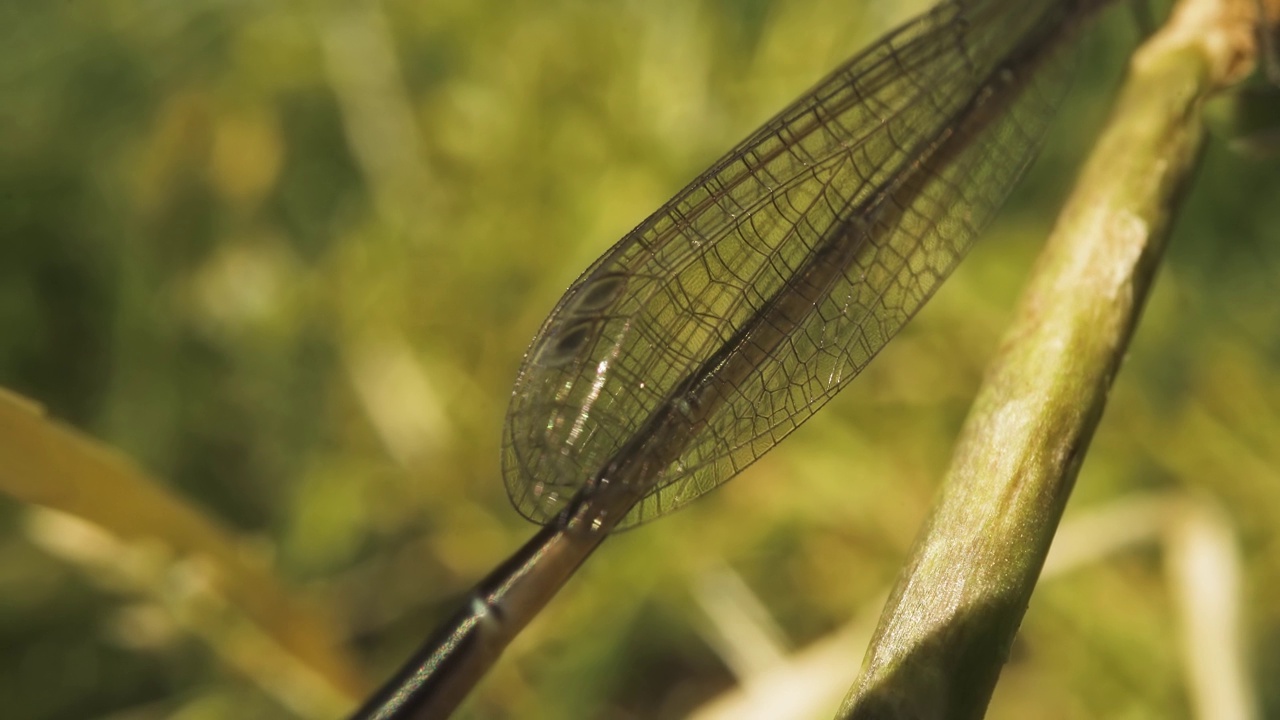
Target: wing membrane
<point>751,298</point>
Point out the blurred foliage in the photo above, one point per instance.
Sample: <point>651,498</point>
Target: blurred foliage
<point>288,255</point>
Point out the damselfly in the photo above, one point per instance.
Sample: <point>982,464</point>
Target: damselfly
<point>729,316</point>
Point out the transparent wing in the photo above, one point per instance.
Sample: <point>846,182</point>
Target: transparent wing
<point>871,186</point>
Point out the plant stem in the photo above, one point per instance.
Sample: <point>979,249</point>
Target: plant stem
<point>952,616</point>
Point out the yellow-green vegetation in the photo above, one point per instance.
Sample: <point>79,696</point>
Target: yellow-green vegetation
<point>286,257</point>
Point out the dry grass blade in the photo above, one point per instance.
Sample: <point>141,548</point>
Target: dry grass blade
<point>45,463</point>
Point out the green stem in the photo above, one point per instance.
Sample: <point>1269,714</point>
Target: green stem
<point>951,619</point>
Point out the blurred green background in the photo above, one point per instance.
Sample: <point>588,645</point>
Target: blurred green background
<point>288,256</point>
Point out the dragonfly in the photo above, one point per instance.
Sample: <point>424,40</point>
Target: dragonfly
<point>734,312</point>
